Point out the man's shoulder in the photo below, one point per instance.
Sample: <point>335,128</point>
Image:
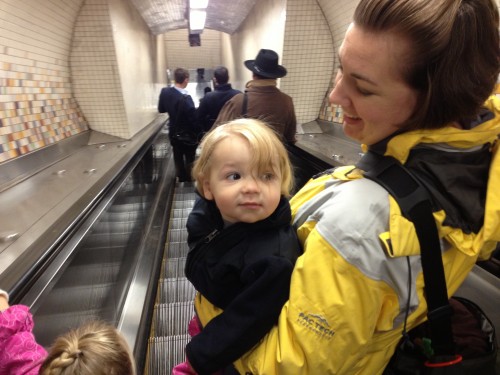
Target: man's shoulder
<point>222,93</point>
<point>271,90</point>
<point>234,92</point>
<point>237,97</point>
<point>225,88</point>
<point>169,90</point>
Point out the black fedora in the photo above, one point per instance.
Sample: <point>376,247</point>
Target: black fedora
<point>266,64</point>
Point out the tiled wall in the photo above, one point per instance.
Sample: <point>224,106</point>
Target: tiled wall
<point>37,107</point>
<point>306,34</point>
<point>180,54</point>
<point>263,28</point>
<point>67,66</point>
<point>113,67</point>
<point>304,42</point>
<point>95,70</point>
<point>339,15</point>
<point>308,55</point>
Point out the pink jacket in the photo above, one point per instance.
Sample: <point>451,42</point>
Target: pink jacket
<point>20,354</point>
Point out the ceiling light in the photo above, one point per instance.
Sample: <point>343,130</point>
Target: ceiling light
<point>197,19</point>
<point>198,4</point>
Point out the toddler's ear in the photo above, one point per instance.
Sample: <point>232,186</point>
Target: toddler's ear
<point>207,193</point>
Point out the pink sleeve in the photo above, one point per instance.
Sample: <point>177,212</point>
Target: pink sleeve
<point>20,354</point>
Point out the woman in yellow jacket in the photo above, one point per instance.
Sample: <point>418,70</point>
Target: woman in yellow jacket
<point>414,83</point>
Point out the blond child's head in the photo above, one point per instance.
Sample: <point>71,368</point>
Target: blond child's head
<point>95,348</point>
<point>244,167</point>
<point>265,143</point>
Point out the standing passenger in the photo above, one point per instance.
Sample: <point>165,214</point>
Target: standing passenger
<point>242,246</point>
<point>264,100</point>
<point>414,83</point>
<point>212,102</point>
<point>182,117</point>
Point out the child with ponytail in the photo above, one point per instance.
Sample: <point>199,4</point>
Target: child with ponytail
<point>95,348</point>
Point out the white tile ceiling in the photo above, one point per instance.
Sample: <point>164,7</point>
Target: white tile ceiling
<point>166,15</point>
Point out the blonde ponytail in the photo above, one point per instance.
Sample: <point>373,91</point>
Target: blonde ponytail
<point>95,348</point>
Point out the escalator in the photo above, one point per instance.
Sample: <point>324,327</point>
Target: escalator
<point>107,265</point>
<point>174,301</point>
<point>94,282</point>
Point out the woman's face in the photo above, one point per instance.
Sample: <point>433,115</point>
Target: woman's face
<point>369,85</point>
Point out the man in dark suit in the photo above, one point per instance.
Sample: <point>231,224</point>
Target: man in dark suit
<point>182,117</point>
<point>212,102</point>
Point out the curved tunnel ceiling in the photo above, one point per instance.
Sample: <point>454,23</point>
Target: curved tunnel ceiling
<point>165,15</point>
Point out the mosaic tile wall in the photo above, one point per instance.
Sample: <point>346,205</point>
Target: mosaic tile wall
<point>36,103</point>
<point>66,66</point>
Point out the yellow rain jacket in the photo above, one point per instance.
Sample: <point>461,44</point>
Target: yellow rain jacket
<point>352,287</point>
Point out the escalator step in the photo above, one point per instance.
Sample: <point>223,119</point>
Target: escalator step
<point>173,267</point>
<point>165,353</point>
<point>172,318</point>
<point>181,212</point>
<point>176,290</point>
<point>178,235</point>
<point>174,301</point>
<point>178,223</point>
<point>176,250</point>
<point>183,204</point>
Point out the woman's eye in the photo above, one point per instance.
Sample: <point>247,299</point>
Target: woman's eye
<point>233,176</point>
<point>364,92</point>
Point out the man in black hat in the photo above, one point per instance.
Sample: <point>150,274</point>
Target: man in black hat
<point>262,99</point>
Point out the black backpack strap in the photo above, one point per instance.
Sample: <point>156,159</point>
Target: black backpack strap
<point>245,105</point>
<point>415,204</point>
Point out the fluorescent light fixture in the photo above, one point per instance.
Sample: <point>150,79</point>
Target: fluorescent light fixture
<point>197,19</point>
<point>198,4</point>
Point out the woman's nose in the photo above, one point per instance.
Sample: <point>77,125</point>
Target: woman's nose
<point>338,96</point>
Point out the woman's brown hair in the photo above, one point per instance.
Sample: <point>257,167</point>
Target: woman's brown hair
<point>455,56</point>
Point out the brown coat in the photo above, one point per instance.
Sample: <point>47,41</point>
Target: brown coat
<point>265,102</point>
